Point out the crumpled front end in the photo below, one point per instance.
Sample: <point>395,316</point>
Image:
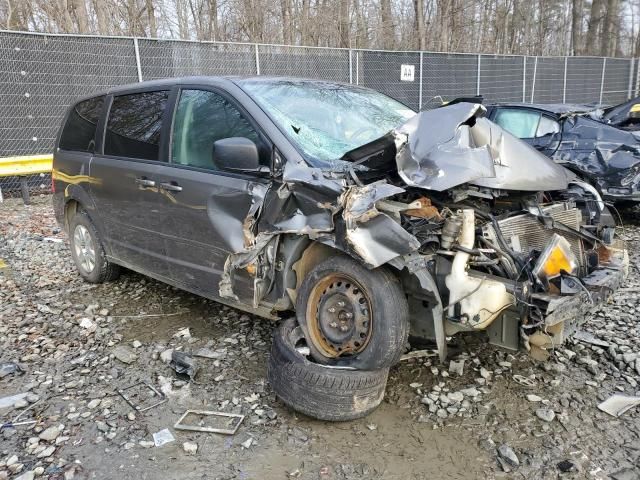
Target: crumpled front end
<point>484,232</point>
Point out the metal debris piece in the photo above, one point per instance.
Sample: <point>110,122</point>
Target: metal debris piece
<point>140,408</point>
<point>419,354</point>
<point>184,363</point>
<point>524,381</point>
<point>589,338</point>
<point>15,424</point>
<point>233,421</point>
<point>163,437</point>
<point>618,404</point>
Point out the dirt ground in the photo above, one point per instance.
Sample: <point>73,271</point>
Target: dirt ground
<point>506,416</point>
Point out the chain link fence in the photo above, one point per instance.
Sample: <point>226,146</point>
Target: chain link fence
<point>41,74</point>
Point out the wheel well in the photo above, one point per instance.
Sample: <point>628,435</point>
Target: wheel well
<point>70,209</point>
<point>313,254</point>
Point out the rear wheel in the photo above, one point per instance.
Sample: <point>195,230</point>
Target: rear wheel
<point>87,251</point>
<point>352,316</point>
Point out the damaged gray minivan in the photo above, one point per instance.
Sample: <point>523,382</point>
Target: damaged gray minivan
<point>338,205</point>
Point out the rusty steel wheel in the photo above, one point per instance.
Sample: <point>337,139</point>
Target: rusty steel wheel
<point>339,316</point>
<point>352,316</point>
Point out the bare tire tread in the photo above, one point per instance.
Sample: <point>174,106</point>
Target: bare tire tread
<point>319,391</point>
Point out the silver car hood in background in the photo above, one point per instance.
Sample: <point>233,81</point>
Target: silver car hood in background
<point>446,147</point>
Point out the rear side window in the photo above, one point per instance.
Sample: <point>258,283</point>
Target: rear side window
<point>80,130</point>
<point>134,124</point>
<point>520,123</point>
<point>526,123</point>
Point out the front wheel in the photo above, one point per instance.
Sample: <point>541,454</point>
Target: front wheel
<point>352,316</point>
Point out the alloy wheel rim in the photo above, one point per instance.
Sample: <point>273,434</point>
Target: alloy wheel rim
<point>84,248</point>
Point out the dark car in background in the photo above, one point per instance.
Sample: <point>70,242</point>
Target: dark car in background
<point>594,143</point>
<point>341,210</point>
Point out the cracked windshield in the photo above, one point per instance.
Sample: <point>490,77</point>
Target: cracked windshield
<point>324,120</point>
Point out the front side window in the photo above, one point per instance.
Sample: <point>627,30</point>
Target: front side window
<point>134,125</point>
<point>201,119</point>
<point>80,130</point>
<point>326,120</point>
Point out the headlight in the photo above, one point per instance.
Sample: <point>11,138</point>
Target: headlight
<point>557,257</point>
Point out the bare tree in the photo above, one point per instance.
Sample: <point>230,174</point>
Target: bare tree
<point>530,27</point>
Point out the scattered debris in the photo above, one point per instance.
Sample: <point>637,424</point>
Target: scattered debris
<point>247,443</point>
<point>184,364</point>
<point>419,354</point>
<point>183,333</point>
<point>9,369</point>
<point>191,448</point>
<point>163,437</point>
<point>228,422</point>
<point>589,338</point>
<point>618,404</point>
<point>124,354</point>
<point>456,366</point>
<point>138,407</point>
<point>567,466</point>
<point>524,381</point>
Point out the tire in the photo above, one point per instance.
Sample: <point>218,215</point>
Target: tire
<point>374,336</point>
<point>102,270</point>
<point>320,391</point>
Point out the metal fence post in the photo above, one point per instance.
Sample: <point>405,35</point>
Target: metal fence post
<point>357,68</point>
<point>257,59</point>
<point>631,64</point>
<point>533,83</point>
<point>637,77</point>
<point>564,82</point>
<point>604,66</point>
<point>524,78</point>
<point>478,77</point>
<point>350,66</point>
<point>137,52</point>
<point>420,90</point>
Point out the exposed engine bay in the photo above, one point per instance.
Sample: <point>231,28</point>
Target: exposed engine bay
<point>501,256</point>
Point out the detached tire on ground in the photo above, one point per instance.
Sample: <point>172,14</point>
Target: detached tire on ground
<point>353,316</point>
<point>319,391</point>
<point>87,250</point>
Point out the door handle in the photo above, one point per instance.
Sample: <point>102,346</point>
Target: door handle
<point>145,182</point>
<point>172,187</point>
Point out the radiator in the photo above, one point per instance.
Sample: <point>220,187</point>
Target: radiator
<point>525,232</point>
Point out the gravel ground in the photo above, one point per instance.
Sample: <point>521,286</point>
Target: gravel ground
<point>487,414</point>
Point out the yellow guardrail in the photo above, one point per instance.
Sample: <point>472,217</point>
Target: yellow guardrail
<point>25,165</point>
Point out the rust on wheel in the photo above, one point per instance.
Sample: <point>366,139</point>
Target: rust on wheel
<point>339,316</point>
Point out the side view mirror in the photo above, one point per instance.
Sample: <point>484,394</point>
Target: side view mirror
<point>236,154</point>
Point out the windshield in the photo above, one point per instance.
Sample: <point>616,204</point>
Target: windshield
<point>326,120</point>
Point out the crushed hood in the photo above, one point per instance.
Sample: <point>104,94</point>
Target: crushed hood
<point>446,147</point>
